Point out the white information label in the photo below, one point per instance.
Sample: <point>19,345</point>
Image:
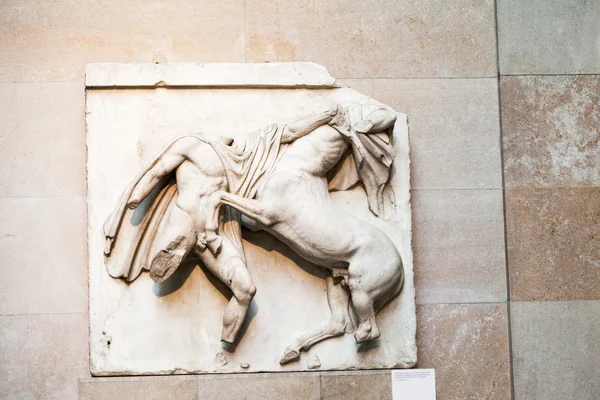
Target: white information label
<point>413,384</point>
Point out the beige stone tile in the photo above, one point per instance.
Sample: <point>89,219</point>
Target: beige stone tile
<point>553,243</point>
<point>551,130</point>
<point>51,41</point>
<point>549,37</point>
<point>146,388</point>
<point>454,129</point>
<point>42,356</point>
<point>365,86</point>
<point>42,139</point>
<point>458,244</point>
<point>359,385</point>
<point>43,255</point>
<point>556,350</point>
<point>274,386</point>
<point>382,38</point>
<point>467,344</point>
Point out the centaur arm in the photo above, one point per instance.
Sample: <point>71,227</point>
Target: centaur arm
<point>304,126</point>
<point>379,120</point>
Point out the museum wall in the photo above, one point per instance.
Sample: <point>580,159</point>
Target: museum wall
<point>504,112</point>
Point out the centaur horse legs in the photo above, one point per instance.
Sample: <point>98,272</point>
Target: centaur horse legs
<point>295,206</point>
<point>374,275</point>
<point>339,324</point>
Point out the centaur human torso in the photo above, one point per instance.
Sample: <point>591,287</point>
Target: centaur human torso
<point>280,180</point>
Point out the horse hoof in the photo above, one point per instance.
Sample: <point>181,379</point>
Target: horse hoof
<point>362,336</point>
<point>289,356</point>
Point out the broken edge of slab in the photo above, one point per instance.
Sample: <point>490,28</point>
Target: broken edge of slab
<point>207,75</point>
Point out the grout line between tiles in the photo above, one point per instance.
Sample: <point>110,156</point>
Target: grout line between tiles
<point>379,78</point>
<point>452,189</point>
<point>66,196</point>
<point>81,81</point>
<point>41,314</point>
<point>245,34</point>
<point>197,389</point>
<point>551,187</point>
<point>462,303</point>
<point>541,301</point>
<point>320,383</point>
<point>558,74</point>
<point>507,270</point>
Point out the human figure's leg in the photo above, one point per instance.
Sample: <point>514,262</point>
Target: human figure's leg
<point>229,266</point>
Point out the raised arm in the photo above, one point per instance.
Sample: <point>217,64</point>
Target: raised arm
<point>167,162</point>
<point>306,125</point>
<point>378,121</point>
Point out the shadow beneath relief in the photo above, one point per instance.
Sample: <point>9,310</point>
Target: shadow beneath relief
<point>216,282</point>
<point>252,311</point>
<point>138,215</point>
<point>367,346</point>
<point>270,243</point>
<point>181,275</point>
<point>177,280</point>
<point>260,239</point>
<point>228,294</point>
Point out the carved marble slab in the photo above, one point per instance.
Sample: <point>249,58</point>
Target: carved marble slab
<point>143,327</point>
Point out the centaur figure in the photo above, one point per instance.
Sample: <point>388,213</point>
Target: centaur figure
<point>279,178</point>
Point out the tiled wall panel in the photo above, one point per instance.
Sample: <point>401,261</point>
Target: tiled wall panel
<point>546,128</point>
<point>551,145</point>
<point>52,41</point>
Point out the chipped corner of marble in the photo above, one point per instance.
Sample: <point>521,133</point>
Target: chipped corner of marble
<point>209,75</point>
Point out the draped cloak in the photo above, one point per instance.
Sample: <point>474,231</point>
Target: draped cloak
<point>246,160</point>
<point>369,160</point>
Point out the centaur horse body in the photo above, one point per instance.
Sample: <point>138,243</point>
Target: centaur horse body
<point>283,187</point>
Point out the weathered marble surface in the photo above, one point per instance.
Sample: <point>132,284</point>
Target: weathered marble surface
<point>174,327</point>
<point>553,243</point>
<point>551,130</point>
<point>467,344</point>
<point>221,75</point>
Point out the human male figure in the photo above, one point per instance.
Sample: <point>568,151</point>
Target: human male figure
<point>185,216</point>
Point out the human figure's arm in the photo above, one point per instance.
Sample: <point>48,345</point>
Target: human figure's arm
<point>167,162</point>
<point>304,126</point>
